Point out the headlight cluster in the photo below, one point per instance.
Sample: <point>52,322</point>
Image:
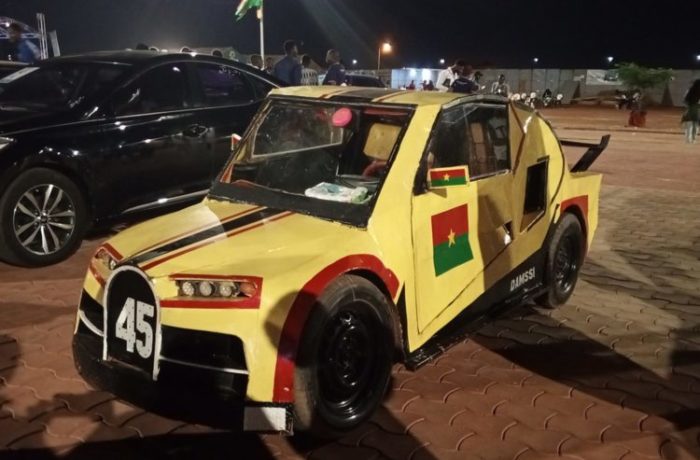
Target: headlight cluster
<point>106,258</point>
<point>207,288</point>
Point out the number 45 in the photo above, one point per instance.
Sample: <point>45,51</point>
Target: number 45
<point>132,319</point>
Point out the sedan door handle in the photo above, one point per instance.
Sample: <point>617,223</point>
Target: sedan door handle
<point>195,131</point>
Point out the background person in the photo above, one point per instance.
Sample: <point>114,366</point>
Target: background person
<point>309,77</point>
<point>256,61</point>
<point>288,68</point>
<point>501,87</point>
<point>448,76</point>
<point>336,71</point>
<point>691,116</point>
<point>24,50</point>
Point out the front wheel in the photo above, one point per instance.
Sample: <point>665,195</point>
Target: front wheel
<point>564,259</point>
<point>345,358</point>
<point>43,219</point>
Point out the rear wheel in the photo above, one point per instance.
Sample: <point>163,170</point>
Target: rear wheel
<point>564,260</point>
<point>42,219</point>
<point>345,358</point>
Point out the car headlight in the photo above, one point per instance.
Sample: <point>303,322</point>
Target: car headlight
<point>204,287</point>
<point>106,258</point>
<point>5,141</point>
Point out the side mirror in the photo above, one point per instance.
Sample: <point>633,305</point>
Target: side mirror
<point>441,178</point>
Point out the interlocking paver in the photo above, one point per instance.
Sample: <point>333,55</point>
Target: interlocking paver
<point>614,374</point>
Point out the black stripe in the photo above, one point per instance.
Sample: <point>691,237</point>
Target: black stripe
<point>363,95</point>
<point>216,230</point>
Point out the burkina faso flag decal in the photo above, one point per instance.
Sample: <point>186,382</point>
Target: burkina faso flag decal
<point>451,246</point>
<point>448,177</point>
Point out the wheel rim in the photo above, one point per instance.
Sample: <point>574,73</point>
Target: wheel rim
<point>349,363</point>
<point>44,219</point>
<point>566,263</point>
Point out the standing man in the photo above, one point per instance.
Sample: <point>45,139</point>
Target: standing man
<point>336,70</point>
<point>450,75</point>
<point>256,61</point>
<point>288,68</point>
<point>269,65</point>
<point>25,50</point>
<point>309,77</point>
<point>500,87</point>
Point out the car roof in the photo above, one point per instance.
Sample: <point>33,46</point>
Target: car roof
<point>147,57</point>
<point>384,96</point>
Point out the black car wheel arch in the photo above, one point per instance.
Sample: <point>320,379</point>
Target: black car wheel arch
<point>345,358</point>
<point>43,218</point>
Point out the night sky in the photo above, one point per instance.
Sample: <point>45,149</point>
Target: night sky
<point>499,33</point>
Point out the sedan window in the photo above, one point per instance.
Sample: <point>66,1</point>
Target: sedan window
<point>56,87</point>
<point>222,85</point>
<point>159,90</point>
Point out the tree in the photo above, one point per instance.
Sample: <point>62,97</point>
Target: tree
<point>643,78</point>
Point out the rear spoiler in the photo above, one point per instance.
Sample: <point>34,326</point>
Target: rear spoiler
<point>591,155</point>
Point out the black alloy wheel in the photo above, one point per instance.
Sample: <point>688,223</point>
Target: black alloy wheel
<point>344,362</point>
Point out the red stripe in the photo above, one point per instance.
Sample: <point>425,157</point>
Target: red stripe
<point>455,221</point>
<point>240,304</point>
<point>211,240</point>
<point>198,229</point>
<point>112,252</point>
<point>299,312</point>
<point>453,173</point>
<point>97,276</point>
<point>580,202</point>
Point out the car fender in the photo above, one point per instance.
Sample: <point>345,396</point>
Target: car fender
<point>301,308</point>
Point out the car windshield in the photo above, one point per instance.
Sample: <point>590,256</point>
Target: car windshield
<point>55,87</point>
<point>320,158</point>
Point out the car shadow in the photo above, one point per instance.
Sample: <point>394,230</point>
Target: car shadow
<point>649,361</point>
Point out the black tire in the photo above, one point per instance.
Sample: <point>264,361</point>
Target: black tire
<point>345,358</point>
<point>57,221</point>
<point>564,259</point>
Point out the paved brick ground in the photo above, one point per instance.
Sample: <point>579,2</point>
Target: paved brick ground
<point>615,374</point>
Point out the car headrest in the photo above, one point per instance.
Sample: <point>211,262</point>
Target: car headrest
<point>381,140</point>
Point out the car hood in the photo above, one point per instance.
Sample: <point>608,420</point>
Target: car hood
<point>217,237</point>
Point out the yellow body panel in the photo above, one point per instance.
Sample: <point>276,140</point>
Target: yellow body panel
<point>290,251</point>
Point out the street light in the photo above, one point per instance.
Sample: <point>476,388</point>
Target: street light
<point>442,62</point>
<point>354,62</point>
<point>385,48</point>
<point>532,73</point>
<point>610,59</point>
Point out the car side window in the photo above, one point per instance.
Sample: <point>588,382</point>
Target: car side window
<point>262,87</point>
<point>222,85</point>
<point>158,90</point>
<point>449,144</point>
<point>487,137</point>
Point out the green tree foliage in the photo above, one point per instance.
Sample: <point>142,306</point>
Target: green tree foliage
<point>643,78</point>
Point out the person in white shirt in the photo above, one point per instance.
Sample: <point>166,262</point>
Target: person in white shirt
<point>449,76</point>
<point>309,77</point>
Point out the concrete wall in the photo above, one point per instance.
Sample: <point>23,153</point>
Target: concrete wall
<point>527,80</point>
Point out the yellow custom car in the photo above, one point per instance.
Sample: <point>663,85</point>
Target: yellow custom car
<point>351,228</point>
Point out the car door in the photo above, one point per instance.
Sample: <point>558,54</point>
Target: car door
<point>227,99</point>
<point>154,146</point>
<point>460,219</point>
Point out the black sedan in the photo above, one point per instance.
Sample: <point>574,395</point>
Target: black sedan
<point>8,67</point>
<point>93,140</point>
